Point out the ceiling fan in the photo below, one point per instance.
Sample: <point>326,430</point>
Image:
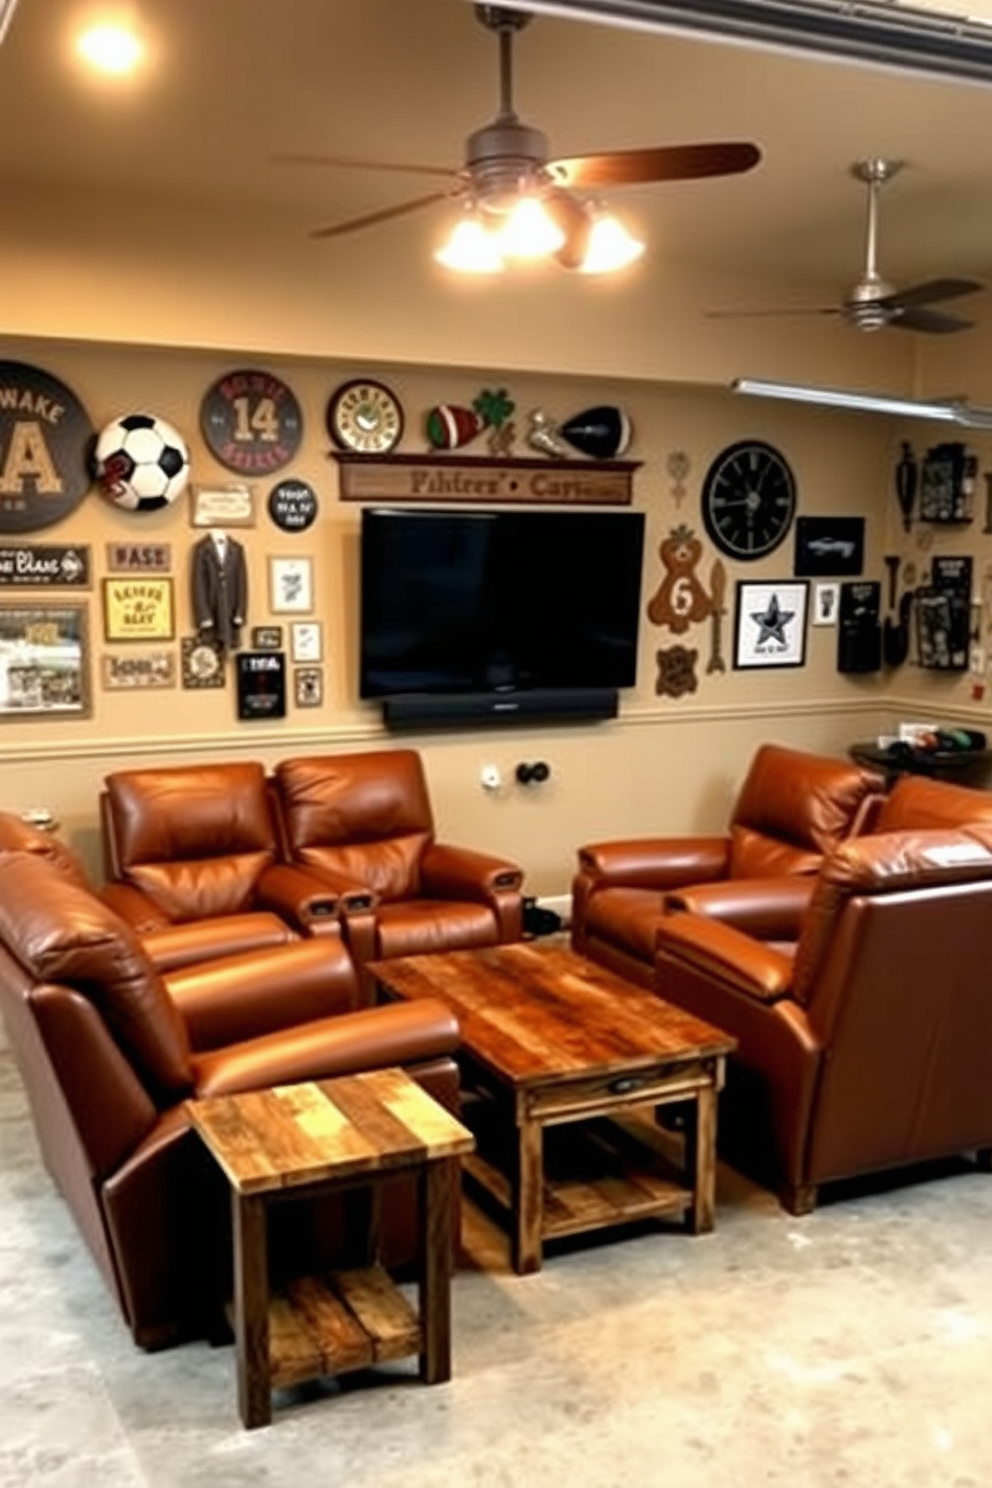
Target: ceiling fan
<point>507,160</point>
<point>873,304</point>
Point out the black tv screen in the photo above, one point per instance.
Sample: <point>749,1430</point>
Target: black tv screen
<point>486,601</point>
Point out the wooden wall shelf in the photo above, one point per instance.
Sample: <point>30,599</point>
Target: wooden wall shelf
<point>481,478</point>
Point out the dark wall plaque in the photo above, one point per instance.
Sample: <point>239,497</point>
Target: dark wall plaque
<point>45,443</point>
<point>25,565</point>
<point>261,684</point>
<point>252,422</point>
<point>292,505</point>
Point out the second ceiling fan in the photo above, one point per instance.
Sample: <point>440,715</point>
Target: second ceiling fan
<point>873,304</point>
<point>507,160</point>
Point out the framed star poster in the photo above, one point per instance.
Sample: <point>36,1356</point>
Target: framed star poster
<point>771,624</point>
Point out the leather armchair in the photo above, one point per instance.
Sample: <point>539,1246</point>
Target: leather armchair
<point>792,809</point>
<point>870,1047</point>
<point>772,908</point>
<point>198,846</point>
<point>111,1050</point>
<point>362,825</point>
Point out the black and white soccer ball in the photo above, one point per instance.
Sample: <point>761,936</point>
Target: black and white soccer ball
<point>141,462</point>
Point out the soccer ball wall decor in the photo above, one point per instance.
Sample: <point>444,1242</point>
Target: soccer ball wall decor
<point>141,462</point>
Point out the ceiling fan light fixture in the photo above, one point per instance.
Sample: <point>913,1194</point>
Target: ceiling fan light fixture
<point>529,231</point>
<point>610,245</point>
<point>470,248</point>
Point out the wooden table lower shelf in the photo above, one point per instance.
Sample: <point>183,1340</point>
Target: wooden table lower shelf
<point>552,1042</point>
<point>301,1140</point>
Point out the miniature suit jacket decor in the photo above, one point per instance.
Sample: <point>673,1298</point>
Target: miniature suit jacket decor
<point>219,582</point>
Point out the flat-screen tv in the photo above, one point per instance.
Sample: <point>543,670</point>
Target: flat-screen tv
<point>456,601</point>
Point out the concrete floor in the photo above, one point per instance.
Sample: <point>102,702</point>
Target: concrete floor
<point>852,1348</point>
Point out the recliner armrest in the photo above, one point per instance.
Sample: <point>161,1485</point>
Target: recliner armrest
<point>723,952</point>
<point>767,908</point>
<point>463,873</point>
<point>655,862</point>
<point>298,896</point>
<point>402,1033</point>
<point>263,991</point>
<point>134,906</point>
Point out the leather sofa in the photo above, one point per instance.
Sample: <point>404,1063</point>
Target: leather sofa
<point>870,1047</point>
<point>793,808</point>
<point>111,1048</point>
<point>363,826</point>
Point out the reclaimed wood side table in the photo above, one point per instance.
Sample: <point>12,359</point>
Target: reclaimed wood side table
<point>299,1140</point>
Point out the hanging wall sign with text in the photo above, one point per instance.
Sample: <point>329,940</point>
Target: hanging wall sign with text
<point>45,443</point>
<point>261,684</point>
<point>292,505</point>
<point>23,565</point>
<point>251,422</point>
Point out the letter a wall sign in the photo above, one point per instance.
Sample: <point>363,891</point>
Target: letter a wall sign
<point>45,442</point>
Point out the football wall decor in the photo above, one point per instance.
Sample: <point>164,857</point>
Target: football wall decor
<point>141,462</point>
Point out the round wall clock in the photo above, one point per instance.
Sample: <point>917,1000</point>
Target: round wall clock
<point>365,417</point>
<point>748,499</point>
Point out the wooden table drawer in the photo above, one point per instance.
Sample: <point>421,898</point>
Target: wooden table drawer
<point>663,1081</point>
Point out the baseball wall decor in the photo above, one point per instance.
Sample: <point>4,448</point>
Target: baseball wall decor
<point>141,462</point>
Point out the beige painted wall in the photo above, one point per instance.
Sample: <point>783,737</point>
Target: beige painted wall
<point>664,765</point>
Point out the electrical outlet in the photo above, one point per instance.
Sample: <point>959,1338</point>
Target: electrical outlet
<point>490,777</point>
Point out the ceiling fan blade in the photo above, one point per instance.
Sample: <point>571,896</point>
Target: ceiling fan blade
<point>348,162</point>
<point>385,214</point>
<point>793,310</point>
<point>930,291</point>
<point>661,163</point>
<point>931,321</point>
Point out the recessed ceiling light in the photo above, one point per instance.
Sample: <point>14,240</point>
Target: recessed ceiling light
<point>111,49</point>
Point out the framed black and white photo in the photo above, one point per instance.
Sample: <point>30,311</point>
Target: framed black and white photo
<point>308,687</point>
<point>826,603</point>
<point>771,624</point>
<point>290,586</point>
<point>266,637</point>
<point>44,661</point>
<point>305,641</point>
<point>829,546</point>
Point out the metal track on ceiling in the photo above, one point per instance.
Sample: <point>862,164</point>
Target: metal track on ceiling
<point>883,32</point>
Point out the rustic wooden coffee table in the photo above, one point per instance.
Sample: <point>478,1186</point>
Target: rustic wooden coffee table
<point>550,1040</point>
<point>304,1139</point>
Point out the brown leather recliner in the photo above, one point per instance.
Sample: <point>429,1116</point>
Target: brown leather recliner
<point>792,809</point>
<point>110,1051</point>
<point>363,825</point>
<point>198,846</point>
<point>871,1047</point>
<point>772,908</point>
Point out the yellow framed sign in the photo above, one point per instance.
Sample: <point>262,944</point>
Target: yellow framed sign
<point>138,609</point>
